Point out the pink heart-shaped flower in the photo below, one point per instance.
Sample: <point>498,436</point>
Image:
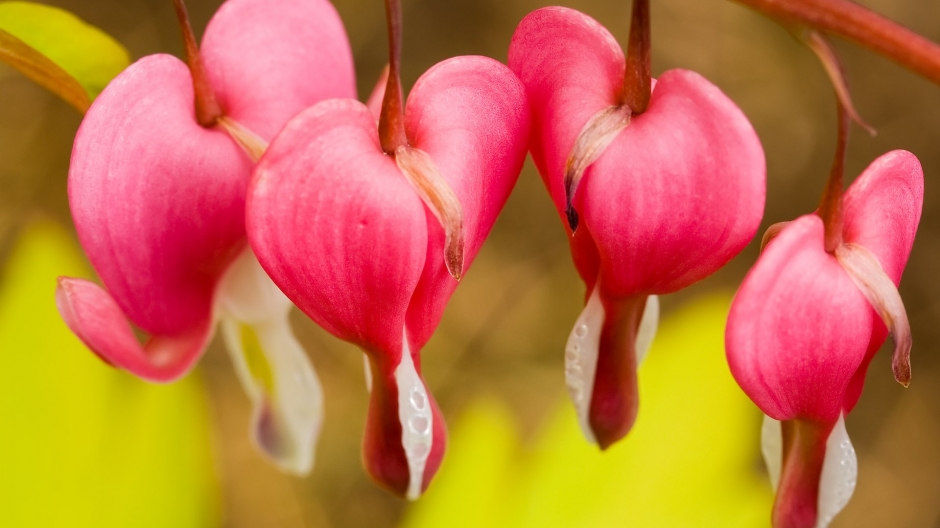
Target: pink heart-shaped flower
<point>803,329</point>
<point>158,200</point>
<point>339,227</point>
<point>660,199</point>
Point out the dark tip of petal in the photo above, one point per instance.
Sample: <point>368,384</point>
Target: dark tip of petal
<point>572,218</point>
<point>440,199</point>
<point>453,256</point>
<point>599,132</point>
<point>901,364</point>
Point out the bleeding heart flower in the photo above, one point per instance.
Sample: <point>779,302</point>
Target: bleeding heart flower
<point>805,325</point>
<point>366,229</point>
<point>157,186</point>
<point>658,190</point>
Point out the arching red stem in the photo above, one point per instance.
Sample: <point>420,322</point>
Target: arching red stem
<point>860,25</point>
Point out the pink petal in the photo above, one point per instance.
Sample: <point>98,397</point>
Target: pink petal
<point>692,147</point>
<point>882,209</point>
<point>804,455</point>
<point>572,68</point>
<point>158,201</point>
<point>470,115</point>
<point>798,328</point>
<point>95,318</point>
<point>270,59</point>
<point>337,226</point>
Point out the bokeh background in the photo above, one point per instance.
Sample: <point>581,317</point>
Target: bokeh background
<point>496,360</point>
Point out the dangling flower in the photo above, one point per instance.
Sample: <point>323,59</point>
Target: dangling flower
<point>815,309</point>
<point>367,229</point>
<point>157,186</point>
<point>659,184</point>
<point>808,319</point>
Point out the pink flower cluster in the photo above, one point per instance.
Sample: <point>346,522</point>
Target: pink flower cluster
<point>365,218</point>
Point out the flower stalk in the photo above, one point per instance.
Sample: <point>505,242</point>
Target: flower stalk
<point>392,119</point>
<point>208,110</point>
<point>861,26</point>
<point>637,84</point>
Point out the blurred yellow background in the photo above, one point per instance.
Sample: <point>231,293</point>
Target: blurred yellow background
<point>496,362</point>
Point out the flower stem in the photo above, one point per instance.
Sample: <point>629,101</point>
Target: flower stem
<point>392,119</point>
<point>208,110</point>
<point>860,25</point>
<point>636,78</point>
<point>830,207</point>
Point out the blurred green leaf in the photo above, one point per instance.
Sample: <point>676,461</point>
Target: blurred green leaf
<point>85,53</point>
<point>690,461</point>
<point>84,444</point>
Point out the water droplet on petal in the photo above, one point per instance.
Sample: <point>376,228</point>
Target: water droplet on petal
<point>420,451</point>
<point>581,331</point>
<point>418,401</point>
<point>420,424</point>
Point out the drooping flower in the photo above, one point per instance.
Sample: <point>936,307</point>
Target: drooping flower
<point>157,186</point>
<point>806,323</point>
<point>657,190</point>
<point>366,228</point>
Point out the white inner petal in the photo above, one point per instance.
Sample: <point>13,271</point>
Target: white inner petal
<point>648,326</point>
<point>367,366</point>
<point>284,389</point>
<point>414,412</point>
<point>247,294</point>
<point>582,349</point>
<point>771,445</point>
<point>839,473</point>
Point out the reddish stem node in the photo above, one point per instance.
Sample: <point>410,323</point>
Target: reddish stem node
<point>860,25</point>
<point>208,110</point>
<point>637,84</point>
<point>392,119</point>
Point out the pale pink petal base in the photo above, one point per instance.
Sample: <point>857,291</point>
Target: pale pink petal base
<point>97,320</point>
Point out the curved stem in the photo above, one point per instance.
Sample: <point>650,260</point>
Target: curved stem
<point>830,208</point>
<point>636,78</point>
<point>208,110</point>
<point>862,26</point>
<point>392,118</point>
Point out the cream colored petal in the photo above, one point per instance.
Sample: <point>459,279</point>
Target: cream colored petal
<point>417,426</point>
<point>272,366</point>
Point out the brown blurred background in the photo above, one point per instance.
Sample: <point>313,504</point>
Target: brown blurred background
<point>504,329</point>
